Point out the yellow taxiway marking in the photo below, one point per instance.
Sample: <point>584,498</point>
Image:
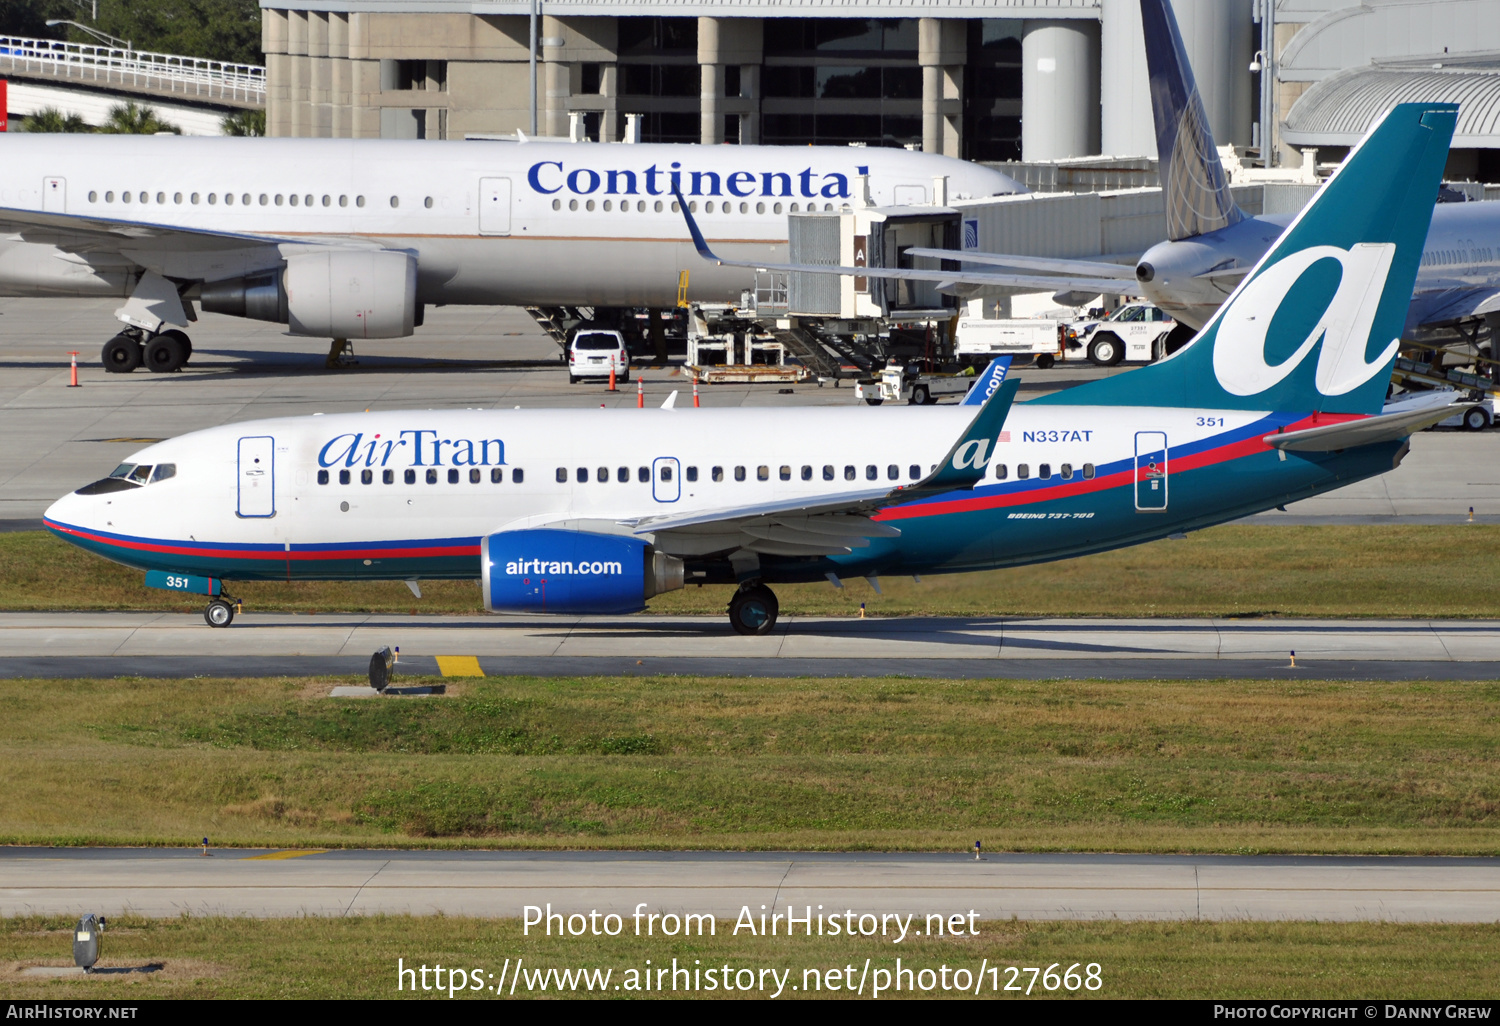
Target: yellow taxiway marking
<point>292,854</point>
<point>459,666</point>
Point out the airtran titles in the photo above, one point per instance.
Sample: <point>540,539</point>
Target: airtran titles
<point>421,448</point>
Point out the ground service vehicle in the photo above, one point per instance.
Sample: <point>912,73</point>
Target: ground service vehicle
<point>1136,332</point>
<point>596,353</point>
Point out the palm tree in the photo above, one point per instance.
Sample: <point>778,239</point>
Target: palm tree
<point>132,118</point>
<point>244,122</point>
<point>51,119</point>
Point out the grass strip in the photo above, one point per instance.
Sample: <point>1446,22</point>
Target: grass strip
<point>682,762</point>
<point>1235,570</point>
<point>357,958</point>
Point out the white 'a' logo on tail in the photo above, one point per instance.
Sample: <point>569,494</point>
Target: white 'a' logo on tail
<point>1240,347</point>
<point>973,453</point>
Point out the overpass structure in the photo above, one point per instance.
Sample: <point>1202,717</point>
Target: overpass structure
<point>162,76</point>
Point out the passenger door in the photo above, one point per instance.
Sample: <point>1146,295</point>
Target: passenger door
<point>55,195</point>
<point>666,485</point>
<point>257,477</point>
<point>494,206</point>
<point>1150,471</point>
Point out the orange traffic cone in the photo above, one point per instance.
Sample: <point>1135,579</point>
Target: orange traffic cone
<point>695,393</point>
<point>73,383</point>
<point>640,394</point>
<point>612,387</point>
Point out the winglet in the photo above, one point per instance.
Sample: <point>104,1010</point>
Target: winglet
<point>699,243</point>
<point>991,378</point>
<point>967,461</point>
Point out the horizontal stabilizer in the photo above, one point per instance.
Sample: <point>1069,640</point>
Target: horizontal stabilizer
<point>1386,427</point>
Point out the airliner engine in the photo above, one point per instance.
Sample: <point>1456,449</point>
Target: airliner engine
<point>552,571</point>
<point>335,293</point>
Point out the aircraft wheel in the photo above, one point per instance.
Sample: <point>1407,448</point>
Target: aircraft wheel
<point>182,340</point>
<point>753,610</point>
<point>1106,350</point>
<point>219,613</point>
<point>1044,361</point>
<point>121,354</point>
<point>164,354</point>
<point>1476,419</point>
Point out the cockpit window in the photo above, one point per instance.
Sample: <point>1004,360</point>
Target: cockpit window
<point>164,471</point>
<point>123,470</point>
<point>141,474</point>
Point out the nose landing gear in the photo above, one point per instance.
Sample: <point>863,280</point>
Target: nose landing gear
<point>220,611</point>
<point>160,353</point>
<point>753,609</point>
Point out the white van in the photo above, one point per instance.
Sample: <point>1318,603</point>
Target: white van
<point>594,352</point>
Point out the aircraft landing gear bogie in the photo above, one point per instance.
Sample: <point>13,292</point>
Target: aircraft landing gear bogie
<point>753,610</point>
<point>220,611</point>
<point>121,354</point>
<point>161,353</point>
<point>166,352</point>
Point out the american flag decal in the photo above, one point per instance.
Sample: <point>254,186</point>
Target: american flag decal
<point>1004,436</point>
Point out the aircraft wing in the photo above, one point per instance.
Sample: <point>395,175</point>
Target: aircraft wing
<point>1383,427</point>
<point>1037,282</point>
<point>109,234</point>
<point>1447,305</point>
<point>1046,265</point>
<point>839,523</point>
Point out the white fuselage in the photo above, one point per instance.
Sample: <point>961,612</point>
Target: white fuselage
<point>490,222</point>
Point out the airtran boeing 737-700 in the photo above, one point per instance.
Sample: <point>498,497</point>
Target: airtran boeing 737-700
<point>351,239</point>
<point>595,511</point>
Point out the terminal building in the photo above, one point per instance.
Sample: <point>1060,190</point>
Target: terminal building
<point>1003,80</point>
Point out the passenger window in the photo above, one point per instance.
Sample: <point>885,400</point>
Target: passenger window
<point>367,477</point>
<point>828,472</point>
<point>125,197</point>
<point>93,196</point>
<point>1000,472</point>
<point>109,197</point>
<point>328,201</point>
<point>785,473</point>
<point>643,475</point>
<point>1044,471</point>
<point>914,472</point>
<point>191,199</point>
<point>245,199</point>
<point>583,475</point>
<point>343,201</point>
<point>557,204</point>
<point>806,473</point>
<point>562,475</point>
<point>893,472</point>
<point>453,476</point>
<point>717,473</point>
<point>410,476</point>
<point>264,199</point>
<point>278,199</point>
<point>517,476</point>
<point>849,473</point>
<point>1067,471</point>
<point>163,471</point>
<point>497,475</point>
<point>359,201</point>
<point>343,477</point>
<point>388,477</point>
<point>622,475</point>
<point>739,473</point>
<point>177,197</point>
<point>475,476</point>
<point>692,473</point>
<point>603,476</point>
<point>1022,471</point>
<point>666,471</point>
<point>292,199</point>
<point>872,472</point>
<point>1088,471</point>
<point>228,198</point>
<point>323,477</point>
<point>432,477</point>
<point>763,473</point>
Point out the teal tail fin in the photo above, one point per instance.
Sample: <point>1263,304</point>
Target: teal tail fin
<point>1315,325</point>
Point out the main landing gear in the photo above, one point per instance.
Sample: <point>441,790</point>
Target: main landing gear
<point>220,611</point>
<point>160,353</point>
<point>753,609</point>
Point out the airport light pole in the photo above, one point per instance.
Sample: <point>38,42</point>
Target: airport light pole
<point>1265,63</point>
<point>535,7</point>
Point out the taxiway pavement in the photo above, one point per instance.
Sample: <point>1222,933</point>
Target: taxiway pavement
<point>273,644</point>
<point>170,882</point>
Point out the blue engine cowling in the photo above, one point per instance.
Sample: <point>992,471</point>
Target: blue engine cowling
<point>556,571</point>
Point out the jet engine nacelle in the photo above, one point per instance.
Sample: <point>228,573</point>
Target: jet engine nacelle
<point>336,293</point>
<point>554,571</point>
